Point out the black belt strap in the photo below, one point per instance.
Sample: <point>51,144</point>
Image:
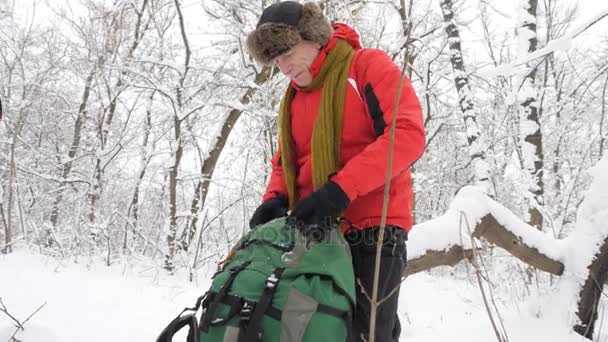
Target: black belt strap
<point>236,302</point>
<point>275,313</point>
<point>250,331</point>
<point>346,316</point>
<point>209,314</point>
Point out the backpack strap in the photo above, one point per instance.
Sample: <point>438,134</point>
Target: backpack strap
<point>235,302</point>
<point>346,316</point>
<point>181,321</point>
<point>251,326</point>
<point>209,314</point>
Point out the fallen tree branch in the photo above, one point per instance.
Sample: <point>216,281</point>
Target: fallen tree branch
<point>498,234</point>
<point>493,223</point>
<point>431,259</point>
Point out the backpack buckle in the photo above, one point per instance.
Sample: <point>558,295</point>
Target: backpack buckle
<point>246,311</point>
<point>272,281</point>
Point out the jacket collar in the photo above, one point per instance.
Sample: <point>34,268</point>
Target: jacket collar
<point>341,31</point>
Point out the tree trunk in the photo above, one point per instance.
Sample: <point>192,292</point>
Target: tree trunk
<point>8,219</point>
<point>481,168</point>
<point>67,166</point>
<point>532,141</point>
<point>105,123</point>
<point>173,171</point>
<point>95,193</point>
<point>179,149</point>
<point>133,209</point>
<point>210,162</point>
<point>592,292</point>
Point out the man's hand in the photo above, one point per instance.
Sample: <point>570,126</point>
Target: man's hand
<point>269,210</point>
<point>317,212</point>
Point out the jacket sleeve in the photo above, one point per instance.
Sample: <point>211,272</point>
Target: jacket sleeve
<point>379,77</point>
<point>276,185</point>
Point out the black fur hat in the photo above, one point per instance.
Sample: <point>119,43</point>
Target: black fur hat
<point>283,25</point>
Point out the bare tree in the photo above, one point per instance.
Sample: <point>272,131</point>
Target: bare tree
<point>145,156</point>
<point>211,158</point>
<point>105,152</point>
<point>481,169</point>
<point>67,166</point>
<point>532,140</point>
<point>210,162</point>
<point>177,149</point>
<point>23,89</point>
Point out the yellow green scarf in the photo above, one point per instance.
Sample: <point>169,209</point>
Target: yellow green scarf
<point>327,131</point>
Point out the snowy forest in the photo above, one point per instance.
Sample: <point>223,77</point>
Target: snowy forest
<point>142,131</point>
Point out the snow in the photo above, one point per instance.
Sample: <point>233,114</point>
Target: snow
<point>436,309</point>
<point>524,34</point>
<point>125,304</point>
<point>591,230</point>
<point>89,303</point>
<point>134,299</point>
<point>133,302</point>
<point>559,44</point>
<point>468,207</point>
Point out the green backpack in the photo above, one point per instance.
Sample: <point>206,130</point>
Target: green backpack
<point>276,287</point>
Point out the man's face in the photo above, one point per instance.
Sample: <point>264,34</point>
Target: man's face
<point>295,63</point>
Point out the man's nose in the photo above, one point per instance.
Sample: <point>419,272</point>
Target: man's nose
<point>283,65</point>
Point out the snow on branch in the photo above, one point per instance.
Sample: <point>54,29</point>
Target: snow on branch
<point>562,43</point>
<point>447,239</point>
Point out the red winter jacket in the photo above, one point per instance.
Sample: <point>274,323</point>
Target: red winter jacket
<point>368,112</point>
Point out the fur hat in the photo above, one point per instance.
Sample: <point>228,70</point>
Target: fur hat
<point>283,25</point>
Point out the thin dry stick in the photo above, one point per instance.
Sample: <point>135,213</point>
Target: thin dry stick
<point>374,300</point>
<point>5,310</point>
<point>501,337</point>
<point>19,325</point>
<point>25,321</point>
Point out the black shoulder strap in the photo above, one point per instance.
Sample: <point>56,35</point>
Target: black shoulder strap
<point>250,331</point>
<point>209,314</point>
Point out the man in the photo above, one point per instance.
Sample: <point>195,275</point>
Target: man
<point>334,135</point>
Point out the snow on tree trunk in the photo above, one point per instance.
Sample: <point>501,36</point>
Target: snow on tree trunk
<point>105,122</point>
<point>146,152</point>
<point>481,168</point>
<point>173,170</point>
<point>581,260</point>
<point>473,215</point>
<point>590,243</point>
<point>12,175</point>
<point>67,166</point>
<point>178,149</point>
<point>531,138</point>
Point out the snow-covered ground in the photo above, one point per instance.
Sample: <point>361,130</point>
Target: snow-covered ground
<point>126,304</point>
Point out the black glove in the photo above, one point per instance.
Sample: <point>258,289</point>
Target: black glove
<point>269,210</point>
<point>317,212</point>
